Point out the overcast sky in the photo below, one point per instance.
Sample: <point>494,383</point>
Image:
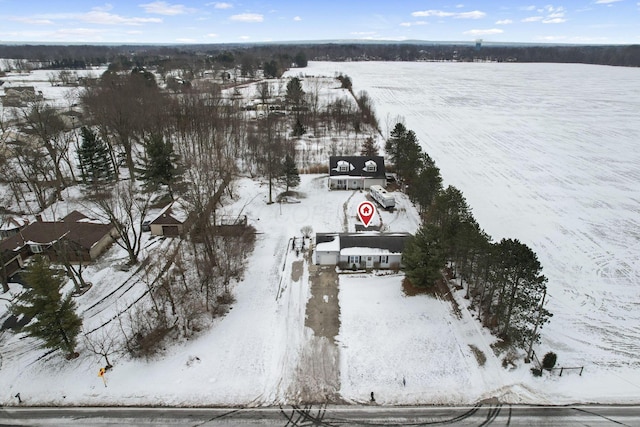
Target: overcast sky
<point>202,21</point>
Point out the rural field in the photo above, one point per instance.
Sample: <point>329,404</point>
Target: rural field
<point>545,153</point>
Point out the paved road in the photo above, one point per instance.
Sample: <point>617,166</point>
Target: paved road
<point>322,415</point>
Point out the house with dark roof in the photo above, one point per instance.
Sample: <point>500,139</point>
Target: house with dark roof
<point>84,240</point>
<point>12,225</point>
<point>356,172</point>
<point>362,250</point>
<point>171,220</point>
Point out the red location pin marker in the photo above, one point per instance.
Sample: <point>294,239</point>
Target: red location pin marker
<point>366,211</point>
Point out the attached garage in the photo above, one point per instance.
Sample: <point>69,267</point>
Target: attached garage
<point>327,249</point>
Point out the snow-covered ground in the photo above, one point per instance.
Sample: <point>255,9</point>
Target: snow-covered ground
<point>546,153</point>
<point>543,153</point>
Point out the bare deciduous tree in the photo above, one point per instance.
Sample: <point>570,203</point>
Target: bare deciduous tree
<point>125,207</point>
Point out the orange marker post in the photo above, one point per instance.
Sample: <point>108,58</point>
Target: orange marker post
<point>101,373</point>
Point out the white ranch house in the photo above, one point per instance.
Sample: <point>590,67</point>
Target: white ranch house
<point>364,249</point>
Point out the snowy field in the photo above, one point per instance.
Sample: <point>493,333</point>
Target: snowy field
<point>543,153</point>
<point>546,153</point>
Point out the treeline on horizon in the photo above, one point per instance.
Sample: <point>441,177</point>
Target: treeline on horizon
<point>82,56</point>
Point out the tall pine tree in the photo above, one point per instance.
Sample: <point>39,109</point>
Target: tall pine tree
<point>369,148</point>
<point>423,257</point>
<point>290,176</point>
<point>94,159</point>
<point>54,320</point>
<point>159,165</point>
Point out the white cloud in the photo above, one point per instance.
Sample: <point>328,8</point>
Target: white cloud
<point>550,38</point>
<point>504,22</point>
<point>297,18</point>
<point>486,32</point>
<point>247,17</point>
<point>554,21</point>
<point>213,35</point>
<point>411,24</point>
<point>554,15</point>
<point>185,40</point>
<point>528,8</point>
<point>244,37</point>
<point>32,21</point>
<point>100,17</point>
<point>107,7</point>
<point>459,6</point>
<point>363,33</point>
<point>220,5</point>
<point>164,8</point>
<point>475,14</point>
<point>608,1</point>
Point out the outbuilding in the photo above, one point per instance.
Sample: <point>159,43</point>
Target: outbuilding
<point>171,220</point>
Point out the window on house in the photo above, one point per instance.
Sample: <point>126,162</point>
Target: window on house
<point>384,259</point>
<point>354,259</point>
<point>36,249</point>
<point>370,166</point>
<point>344,166</point>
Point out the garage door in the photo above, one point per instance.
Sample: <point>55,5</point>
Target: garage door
<point>325,258</point>
<point>170,230</point>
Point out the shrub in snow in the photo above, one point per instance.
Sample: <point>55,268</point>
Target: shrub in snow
<point>549,360</point>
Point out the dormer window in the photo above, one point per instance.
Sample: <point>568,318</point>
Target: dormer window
<point>344,166</point>
<point>36,249</point>
<point>370,166</point>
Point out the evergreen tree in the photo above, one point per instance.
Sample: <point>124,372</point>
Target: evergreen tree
<point>404,152</point>
<point>290,176</point>
<point>448,212</point>
<point>300,59</point>
<point>270,69</point>
<point>295,95</point>
<point>94,158</point>
<point>520,286</point>
<point>298,129</point>
<point>158,167</point>
<point>428,183</point>
<point>391,146</point>
<point>369,148</point>
<point>54,320</point>
<point>423,258</point>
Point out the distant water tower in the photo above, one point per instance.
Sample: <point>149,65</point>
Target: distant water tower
<point>478,44</point>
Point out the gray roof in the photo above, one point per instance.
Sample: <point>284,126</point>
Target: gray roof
<point>392,242</point>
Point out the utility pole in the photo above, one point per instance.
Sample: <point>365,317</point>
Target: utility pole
<point>535,328</point>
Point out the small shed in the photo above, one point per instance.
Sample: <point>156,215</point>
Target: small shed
<point>171,220</point>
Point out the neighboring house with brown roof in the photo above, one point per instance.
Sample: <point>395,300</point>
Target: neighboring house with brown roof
<point>85,239</point>
<point>171,220</point>
<point>11,225</point>
<point>19,96</point>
